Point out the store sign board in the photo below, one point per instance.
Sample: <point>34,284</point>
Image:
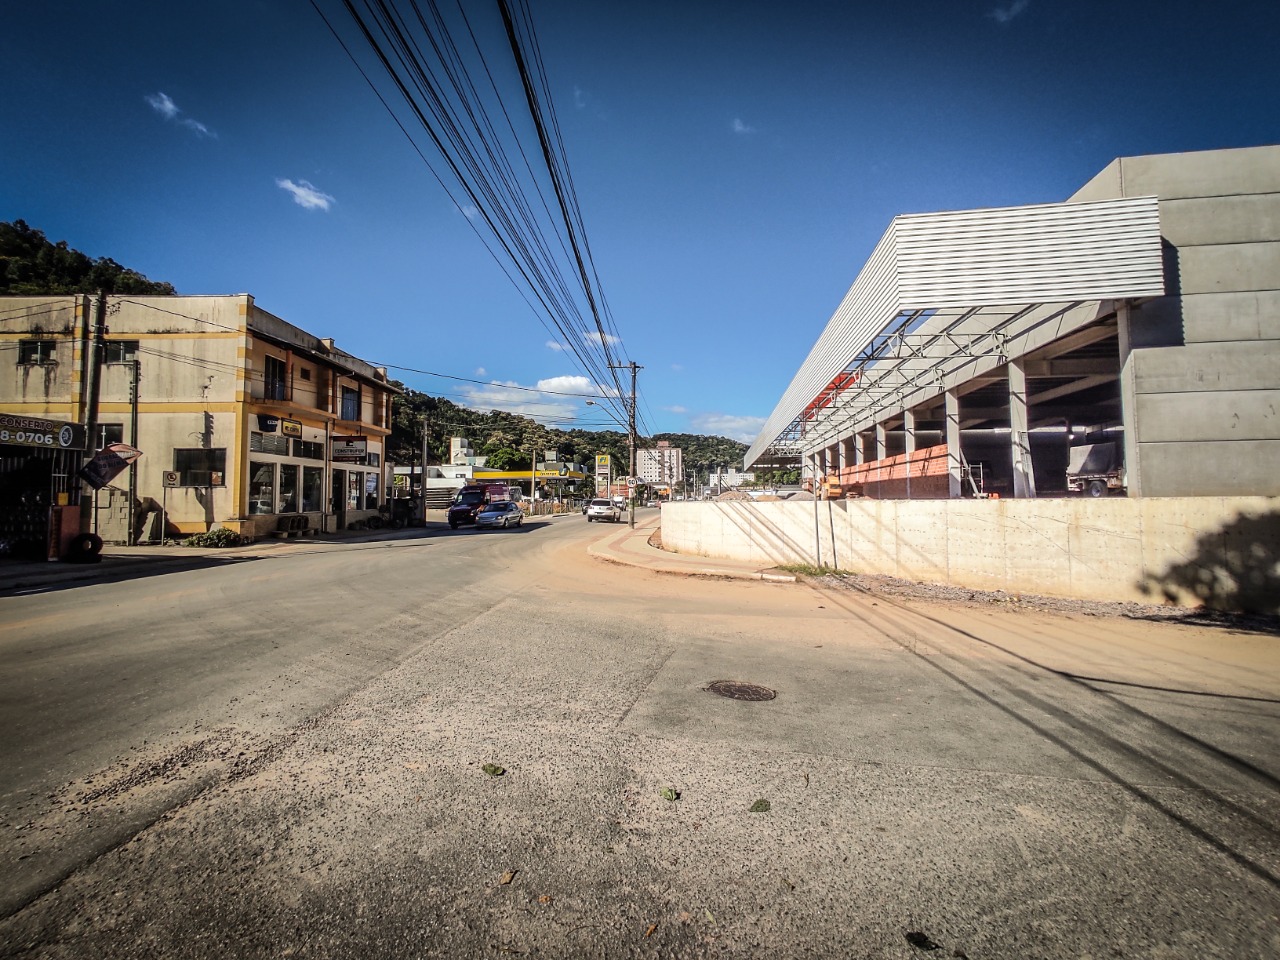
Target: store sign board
<point>602,465</point>
<point>108,463</point>
<point>268,423</point>
<point>35,432</point>
<point>291,428</point>
<point>350,449</point>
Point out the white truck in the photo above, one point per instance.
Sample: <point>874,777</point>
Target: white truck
<point>1096,469</point>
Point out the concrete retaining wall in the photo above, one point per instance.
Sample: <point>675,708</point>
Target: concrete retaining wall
<point>1220,551</point>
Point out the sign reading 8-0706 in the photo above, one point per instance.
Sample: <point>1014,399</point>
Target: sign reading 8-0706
<point>34,432</point>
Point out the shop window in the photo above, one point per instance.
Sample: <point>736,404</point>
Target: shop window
<point>274,380</point>
<point>308,450</point>
<point>37,352</point>
<point>289,488</point>
<point>262,487</point>
<point>373,459</point>
<point>121,351</point>
<point>351,403</point>
<point>355,489</point>
<point>371,491</point>
<point>200,467</point>
<point>312,489</point>
<point>109,433</point>
<point>268,443</point>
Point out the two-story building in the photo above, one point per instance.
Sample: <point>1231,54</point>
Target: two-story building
<point>241,417</point>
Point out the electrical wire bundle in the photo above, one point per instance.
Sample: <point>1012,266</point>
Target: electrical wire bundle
<point>448,101</point>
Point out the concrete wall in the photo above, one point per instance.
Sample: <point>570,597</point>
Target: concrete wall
<point>1219,551</point>
<point>1205,366</point>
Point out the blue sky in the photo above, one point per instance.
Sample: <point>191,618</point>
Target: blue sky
<point>734,162</point>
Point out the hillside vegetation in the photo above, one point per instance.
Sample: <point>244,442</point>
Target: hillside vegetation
<point>32,265</point>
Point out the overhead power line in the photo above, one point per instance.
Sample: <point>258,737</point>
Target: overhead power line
<point>527,215</point>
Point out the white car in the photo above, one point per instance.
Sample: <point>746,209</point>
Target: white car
<point>603,510</point>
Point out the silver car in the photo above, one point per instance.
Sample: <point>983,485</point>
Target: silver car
<point>504,513</point>
<point>603,510</point>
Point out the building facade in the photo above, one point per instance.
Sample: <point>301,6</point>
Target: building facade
<point>984,352</point>
<point>661,465</point>
<point>242,418</point>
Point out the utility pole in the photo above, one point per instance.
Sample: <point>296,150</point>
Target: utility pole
<point>93,390</point>
<point>132,538</point>
<point>631,436</point>
<point>426,423</point>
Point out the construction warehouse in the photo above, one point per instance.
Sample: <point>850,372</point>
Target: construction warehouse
<point>1114,358</point>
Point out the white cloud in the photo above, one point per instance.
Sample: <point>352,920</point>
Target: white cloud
<point>569,383</point>
<point>556,345</point>
<point>470,211</point>
<point>1007,13</point>
<point>579,98</point>
<point>677,367</point>
<point>163,104</point>
<point>480,371</point>
<point>743,429</point>
<point>740,127</point>
<point>512,398</point>
<point>595,336</point>
<point>306,196</point>
<point>675,409</point>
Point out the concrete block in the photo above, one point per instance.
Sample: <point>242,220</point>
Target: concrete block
<point>976,544</point>
<point>1106,548</point>
<point>1218,317</point>
<point>871,545</point>
<point>922,538</point>
<point>1242,468</point>
<point>1037,545</point>
<point>1247,218</point>
<point>1209,173</point>
<point>1240,267</point>
<point>1214,366</point>
<point>1221,552</point>
<point>1209,415</point>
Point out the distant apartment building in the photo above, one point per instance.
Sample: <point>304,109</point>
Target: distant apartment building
<point>242,418</point>
<point>731,478</point>
<point>661,465</point>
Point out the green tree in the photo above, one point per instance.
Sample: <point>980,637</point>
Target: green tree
<point>30,265</point>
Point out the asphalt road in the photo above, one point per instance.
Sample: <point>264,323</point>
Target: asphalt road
<point>285,757</point>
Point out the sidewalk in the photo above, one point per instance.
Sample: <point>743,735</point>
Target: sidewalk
<point>631,548</point>
<point>119,561</point>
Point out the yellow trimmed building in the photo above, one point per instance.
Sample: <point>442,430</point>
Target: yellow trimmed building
<point>244,420</point>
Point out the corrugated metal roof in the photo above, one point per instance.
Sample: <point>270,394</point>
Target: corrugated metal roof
<point>928,266</point>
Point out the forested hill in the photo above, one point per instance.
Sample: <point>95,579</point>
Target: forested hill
<point>701,451</point>
<point>31,265</point>
<point>507,439</point>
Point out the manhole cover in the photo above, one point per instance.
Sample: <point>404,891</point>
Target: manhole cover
<point>740,690</point>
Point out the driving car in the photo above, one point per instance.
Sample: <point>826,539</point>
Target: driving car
<point>603,510</point>
<point>504,513</point>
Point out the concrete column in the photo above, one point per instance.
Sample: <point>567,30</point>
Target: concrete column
<point>1024,478</point>
<point>848,452</point>
<point>880,444</point>
<point>1129,402</point>
<point>837,450</point>
<point>859,451</point>
<point>954,459</point>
